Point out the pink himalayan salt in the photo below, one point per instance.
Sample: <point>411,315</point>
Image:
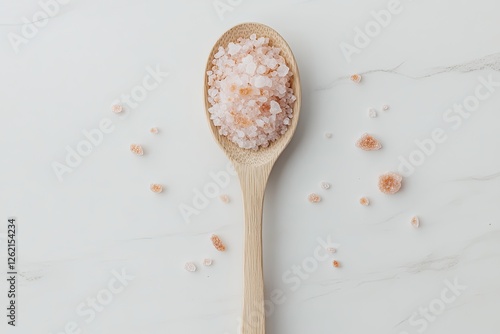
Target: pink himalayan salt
<point>314,198</point>
<point>250,92</point>
<point>415,222</point>
<point>364,201</point>
<point>368,143</point>
<point>390,183</point>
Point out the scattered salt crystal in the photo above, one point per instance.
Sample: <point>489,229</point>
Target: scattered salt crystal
<point>116,108</point>
<point>356,78</point>
<point>207,262</point>
<point>390,183</point>
<point>250,92</point>
<point>325,185</point>
<point>190,266</point>
<point>415,222</point>
<point>153,130</point>
<point>136,149</point>
<point>314,198</point>
<point>328,135</point>
<point>156,188</point>
<point>224,198</point>
<point>364,201</point>
<point>331,250</point>
<point>385,107</point>
<point>217,243</point>
<point>368,143</point>
<point>372,113</point>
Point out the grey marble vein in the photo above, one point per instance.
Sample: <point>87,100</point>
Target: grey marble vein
<point>489,62</point>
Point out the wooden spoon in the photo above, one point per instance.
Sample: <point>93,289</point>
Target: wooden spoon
<point>253,168</point>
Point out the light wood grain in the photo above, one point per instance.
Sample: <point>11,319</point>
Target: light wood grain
<point>253,168</point>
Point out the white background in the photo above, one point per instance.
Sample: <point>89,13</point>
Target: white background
<point>103,217</point>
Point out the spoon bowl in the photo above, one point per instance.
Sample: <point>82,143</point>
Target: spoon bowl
<point>253,168</point>
<point>263,154</point>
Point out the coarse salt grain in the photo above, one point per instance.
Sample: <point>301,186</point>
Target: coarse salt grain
<point>390,183</point>
<point>250,92</point>
<point>415,222</point>
<point>217,243</point>
<point>224,198</point>
<point>190,266</point>
<point>325,185</point>
<point>116,108</point>
<point>136,149</point>
<point>314,198</point>
<point>364,201</point>
<point>336,263</point>
<point>331,250</point>
<point>207,262</point>
<point>372,113</point>
<point>328,135</point>
<point>356,78</point>
<point>385,107</point>
<point>368,143</point>
<point>153,130</point>
<point>156,188</point>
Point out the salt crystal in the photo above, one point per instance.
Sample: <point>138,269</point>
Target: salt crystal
<point>275,107</point>
<point>207,262</point>
<point>385,107</point>
<point>364,201</point>
<point>136,149</point>
<point>314,198</point>
<point>325,185</point>
<point>251,67</point>
<point>390,183</point>
<point>190,266</point>
<point>328,135</point>
<point>356,78</point>
<point>116,108</point>
<point>368,143</point>
<point>156,188</point>
<point>415,222</point>
<point>233,48</point>
<point>260,81</point>
<point>217,243</point>
<point>372,113</point>
<point>282,70</point>
<point>153,130</point>
<point>331,250</point>
<point>224,198</point>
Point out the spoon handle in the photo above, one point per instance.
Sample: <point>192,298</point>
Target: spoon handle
<point>253,184</point>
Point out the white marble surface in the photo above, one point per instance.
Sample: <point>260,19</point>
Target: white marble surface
<point>102,217</point>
